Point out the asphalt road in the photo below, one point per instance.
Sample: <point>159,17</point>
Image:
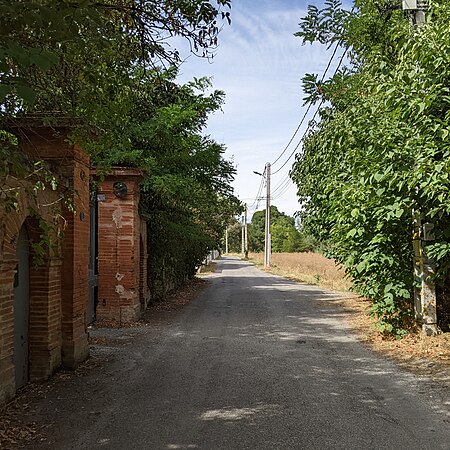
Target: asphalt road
<point>255,362</point>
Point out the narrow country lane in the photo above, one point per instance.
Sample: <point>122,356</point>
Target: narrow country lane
<point>255,362</point>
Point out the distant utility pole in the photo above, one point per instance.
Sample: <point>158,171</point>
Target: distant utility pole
<point>243,236</point>
<point>245,233</point>
<point>425,306</point>
<point>267,243</point>
<point>226,240</point>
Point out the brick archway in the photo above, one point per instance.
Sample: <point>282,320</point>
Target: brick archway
<point>44,300</point>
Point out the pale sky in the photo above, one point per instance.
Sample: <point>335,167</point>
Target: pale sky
<point>259,64</point>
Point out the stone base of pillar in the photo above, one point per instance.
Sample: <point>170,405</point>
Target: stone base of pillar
<point>430,329</point>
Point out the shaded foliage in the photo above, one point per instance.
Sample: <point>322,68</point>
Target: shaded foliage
<point>110,66</point>
<point>381,151</point>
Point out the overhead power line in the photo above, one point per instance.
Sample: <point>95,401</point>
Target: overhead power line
<point>282,190</point>
<point>281,185</point>
<point>312,119</point>
<point>258,195</point>
<point>309,107</point>
<point>300,141</point>
<point>282,182</point>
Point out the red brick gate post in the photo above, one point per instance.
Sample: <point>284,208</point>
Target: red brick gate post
<point>72,165</point>
<point>119,251</point>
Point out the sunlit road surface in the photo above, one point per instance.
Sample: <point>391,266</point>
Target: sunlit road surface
<point>255,362</point>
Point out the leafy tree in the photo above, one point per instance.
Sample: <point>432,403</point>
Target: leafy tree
<point>285,237</point>
<point>186,194</point>
<point>256,232</point>
<point>381,148</point>
<point>234,236</point>
<point>84,59</point>
<point>110,65</point>
<point>43,37</point>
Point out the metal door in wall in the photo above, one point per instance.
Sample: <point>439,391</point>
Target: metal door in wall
<point>21,309</point>
<point>93,258</point>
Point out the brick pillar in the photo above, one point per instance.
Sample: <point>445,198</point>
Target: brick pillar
<point>72,164</point>
<point>119,246</point>
<point>45,319</point>
<point>143,282</point>
<point>7,370</point>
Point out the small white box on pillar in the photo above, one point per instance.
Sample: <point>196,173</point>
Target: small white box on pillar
<point>414,5</point>
<point>409,4</point>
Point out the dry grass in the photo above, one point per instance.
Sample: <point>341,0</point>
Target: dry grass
<point>419,353</point>
<point>311,268</point>
<point>207,268</point>
<point>426,355</point>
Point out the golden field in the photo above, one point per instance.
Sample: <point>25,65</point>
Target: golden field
<point>312,268</point>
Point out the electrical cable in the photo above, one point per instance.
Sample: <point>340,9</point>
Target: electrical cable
<point>282,181</point>
<point>283,191</point>
<point>309,107</point>
<point>261,185</point>
<point>312,119</point>
<point>285,181</point>
<point>300,141</point>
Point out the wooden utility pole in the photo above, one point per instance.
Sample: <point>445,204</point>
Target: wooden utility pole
<point>425,305</point>
<point>267,243</point>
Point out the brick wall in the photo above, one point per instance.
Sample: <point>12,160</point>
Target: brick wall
<point>59,286</point>
<point>45,319</point>
<point>72,165</point>
<point>7,374</point>
<point>119,248</point>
